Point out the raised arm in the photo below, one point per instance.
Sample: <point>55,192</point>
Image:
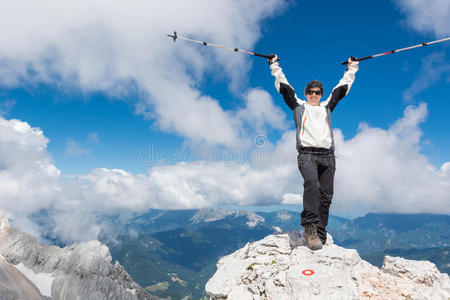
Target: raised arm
<point>343,87</point>
<point>283,86</point>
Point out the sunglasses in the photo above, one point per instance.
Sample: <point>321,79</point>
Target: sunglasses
<point>310,92</point>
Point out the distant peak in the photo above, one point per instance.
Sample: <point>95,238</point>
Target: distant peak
<point>4,222</point>
<point>215,214</point>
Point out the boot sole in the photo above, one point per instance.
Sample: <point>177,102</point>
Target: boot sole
<point>314,247</point>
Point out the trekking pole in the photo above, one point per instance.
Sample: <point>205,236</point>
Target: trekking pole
<point>399,50</point>
<point>175,37</point>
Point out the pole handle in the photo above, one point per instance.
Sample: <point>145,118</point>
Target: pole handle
<point>265,56</point>
<point>344,63</point>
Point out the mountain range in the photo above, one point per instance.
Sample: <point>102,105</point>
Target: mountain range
<point>173,253</point>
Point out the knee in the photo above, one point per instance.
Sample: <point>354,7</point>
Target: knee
<point>327,191</point>
<point>311,184</point>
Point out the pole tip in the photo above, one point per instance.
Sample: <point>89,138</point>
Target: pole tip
<point>174,36</point>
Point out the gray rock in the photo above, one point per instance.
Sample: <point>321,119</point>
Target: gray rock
<point>81,271</point>
<point>281,267</point>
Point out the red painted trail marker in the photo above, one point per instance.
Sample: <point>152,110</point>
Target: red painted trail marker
<point>308,272</point>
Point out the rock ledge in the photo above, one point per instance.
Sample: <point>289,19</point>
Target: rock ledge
<point>281,267</point>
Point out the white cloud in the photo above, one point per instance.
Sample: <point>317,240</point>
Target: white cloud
<point>383,170</point>
<point>445,169</point>
<point>74,148</point>
<point>112,46</point>
<point>28,177</point>
<point>434,68</point>
<point>93,138</point>
<point>260,111</point>
<point>6,106</point>
<point>292,199</point>
<point>428,16</point>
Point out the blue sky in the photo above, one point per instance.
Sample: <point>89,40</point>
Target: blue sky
<point>105,86</point>
<point>311,38</point>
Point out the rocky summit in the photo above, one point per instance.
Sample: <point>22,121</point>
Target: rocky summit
<point>29,270</point>
<point>281,267</point>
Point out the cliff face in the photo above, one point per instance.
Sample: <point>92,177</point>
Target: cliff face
<point>281,267</point>
<point>80,271</point>
<point>14,285</point>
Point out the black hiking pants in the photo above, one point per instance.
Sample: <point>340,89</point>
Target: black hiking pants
<point>317,166</point>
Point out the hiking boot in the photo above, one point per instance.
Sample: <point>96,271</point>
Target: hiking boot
<point>312,240</point>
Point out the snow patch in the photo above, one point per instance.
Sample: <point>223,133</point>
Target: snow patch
<point>283,216</point>
<point>277,229</point>
<point>43,281</point>
<point>252,223</point>
<point>133,291</point>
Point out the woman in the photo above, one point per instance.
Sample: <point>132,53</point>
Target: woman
<point>315,146</point>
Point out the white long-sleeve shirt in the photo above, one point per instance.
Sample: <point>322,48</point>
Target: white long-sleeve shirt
<point>313,123</point>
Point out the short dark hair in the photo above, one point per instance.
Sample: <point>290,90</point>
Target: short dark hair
<point>314,83</point>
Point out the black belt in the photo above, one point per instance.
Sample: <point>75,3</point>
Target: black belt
<point>315,150</point>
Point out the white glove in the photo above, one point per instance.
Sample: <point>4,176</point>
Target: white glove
<point>272,58</point>
<point>352,64</point>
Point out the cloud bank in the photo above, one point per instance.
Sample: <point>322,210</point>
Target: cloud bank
<point>378,170</point>
<point>115,47</point>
